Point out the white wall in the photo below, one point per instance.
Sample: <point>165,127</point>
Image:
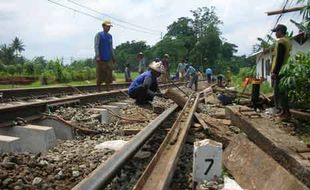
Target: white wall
<point>263,57</point>
<point>262,68</point>
<point>296,47</point>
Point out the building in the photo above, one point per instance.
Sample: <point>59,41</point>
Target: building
<point>300,43</point>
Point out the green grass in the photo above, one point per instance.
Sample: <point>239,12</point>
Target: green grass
<point>118,76</point>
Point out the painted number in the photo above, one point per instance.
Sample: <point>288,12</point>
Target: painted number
<point>210,161</point>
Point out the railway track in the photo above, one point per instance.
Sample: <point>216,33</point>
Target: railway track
<point>31,108</point>
<point>9,95</point>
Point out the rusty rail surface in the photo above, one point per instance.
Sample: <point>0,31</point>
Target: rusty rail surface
<point>159,172</point>
<point>101,176</point>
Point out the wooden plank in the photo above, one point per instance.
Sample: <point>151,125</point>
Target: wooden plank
<point>254,169</point>
<point>201,121</point>
<point>275,142</point>
<point>281,11</point>
<point>300,115</point>
<point>218,130</point>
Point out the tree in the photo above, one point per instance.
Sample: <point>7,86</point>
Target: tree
<point>204,18</point>
<point>304,25</point>
<point>6,54</point>
<point>180,28</point>
<point>127,52</point>
<point>17,46</point>
<point>264,44</point>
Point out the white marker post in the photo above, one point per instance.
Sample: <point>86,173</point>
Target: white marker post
<point>207,160</point>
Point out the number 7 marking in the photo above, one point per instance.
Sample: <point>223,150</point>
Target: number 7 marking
<point>210,165</point>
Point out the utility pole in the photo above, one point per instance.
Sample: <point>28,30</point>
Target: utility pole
<point>161,44</point>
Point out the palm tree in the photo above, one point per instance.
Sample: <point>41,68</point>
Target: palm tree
<point>17,46</point>
<point>304,25</point>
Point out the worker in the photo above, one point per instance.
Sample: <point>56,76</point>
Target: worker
<point>166,76</point>
<point>220,80</point>
<point>192,73</point>
<point>141,61</point>
<point>127,73</point>
<point>228,77</point>
<point>181,70</point>
<point>104,56</point>
<point>145,87</point>
<point>282,53</point>
<point>209,74</point>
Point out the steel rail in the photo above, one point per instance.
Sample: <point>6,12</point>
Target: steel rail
<point>159,172</point>
<point>41,92</point>
<point>24,93</point>
<point>101,176</point>
<point>9,111</point>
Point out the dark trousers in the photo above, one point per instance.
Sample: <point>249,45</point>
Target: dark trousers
<point>255,96</point>
<point>141,95</point>
<point>280,96</point>
<point>209,78</point>
<point>220,81</point>
<point>194,80</point>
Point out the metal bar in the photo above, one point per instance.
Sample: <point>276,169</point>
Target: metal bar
<point>101,176</point>
<point>159,172</point>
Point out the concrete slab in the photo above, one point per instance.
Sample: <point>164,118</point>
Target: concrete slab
<point>9,144</point>
<point>115,109</point>
<point>274,141</point>
<point>33,138</point>
<point>105,115</point>
<point>62,130</point>
<point>254,169</point>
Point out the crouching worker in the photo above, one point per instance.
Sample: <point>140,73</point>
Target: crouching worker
<point>145,86</point>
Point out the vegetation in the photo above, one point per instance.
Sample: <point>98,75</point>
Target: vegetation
<point>304,25</point>
<point>198,39</point>
<point>296,79</point>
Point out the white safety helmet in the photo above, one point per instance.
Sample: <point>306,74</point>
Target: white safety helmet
<point>157,66</point>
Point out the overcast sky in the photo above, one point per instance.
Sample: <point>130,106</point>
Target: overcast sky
<point>53,31</point>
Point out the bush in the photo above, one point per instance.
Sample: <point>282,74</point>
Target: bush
<point>47,78</point>
<point>296,79</point>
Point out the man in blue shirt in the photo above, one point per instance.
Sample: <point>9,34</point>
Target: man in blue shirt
<point>145,86</point>
<point>193,74</point>
<point>104,56</point>
<point>209,74</point>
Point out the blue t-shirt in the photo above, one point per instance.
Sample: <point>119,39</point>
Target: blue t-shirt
<point>140,80</point>
<point>105,46</point>
<point>208,71</point>
<point>191,71</point>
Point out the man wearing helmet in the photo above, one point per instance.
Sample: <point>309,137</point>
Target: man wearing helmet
<point>145,87</point>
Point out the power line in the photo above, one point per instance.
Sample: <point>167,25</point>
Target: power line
<point>119,20</point>
<point>98,18</point>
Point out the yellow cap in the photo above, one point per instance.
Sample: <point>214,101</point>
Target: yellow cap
<point>107,23</point>
<point>166,55</point>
